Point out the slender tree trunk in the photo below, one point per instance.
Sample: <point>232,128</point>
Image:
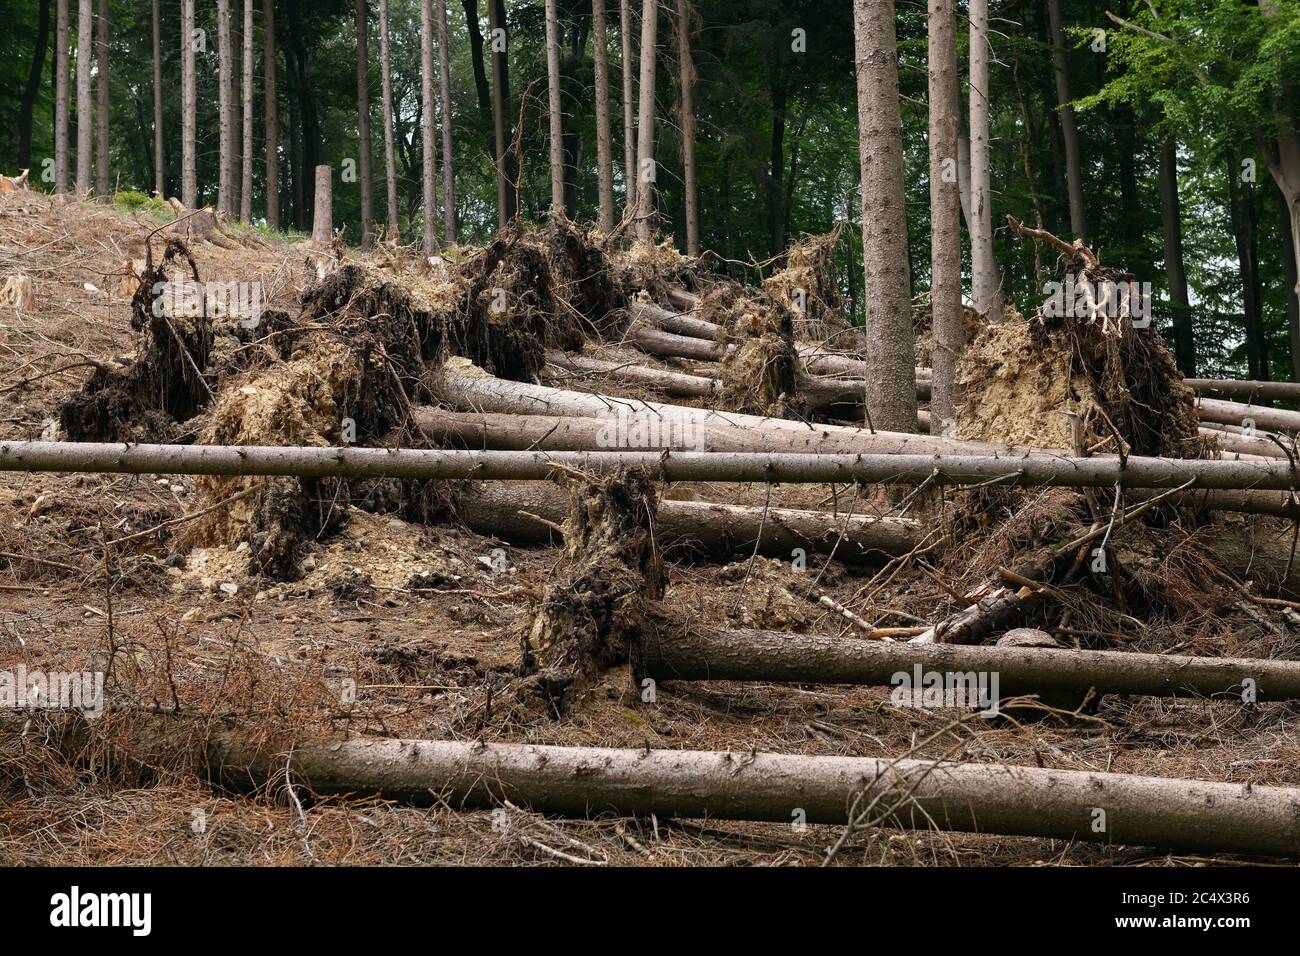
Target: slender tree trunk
<point>1292,298</point>
<point>272,116</point>
<point>1240,215</point>
<point>225,99</point>
<point>554,108</point>
<point>646,172</point>
<point>429,180</point>
<point>625,30</point>
<point>159,147</point>
<point>1175,275</point>
<point>363,126</point>
<point>891,388</point>
<point>776,164</point>
<point>322,229</point>
<point>85,105</point>
<point>448,167</point>
<point>499,46</point>
<point>1070,136</point>
<point>189,106</point>
<point>686,79</point>
<point>246,150</point>
<point>102,184</point>
<point>61,99</point>
<point>987,295</point>
<point>28,104</point>
<point>945,217</point>
<point>390,151</point>
<point>604,150</point>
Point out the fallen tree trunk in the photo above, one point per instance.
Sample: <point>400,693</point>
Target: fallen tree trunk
<point>719,530</point>
<point>352,462</point>
<point>1232,442</point>
<point>1235,413</point>
<point>671,383</point>
<point>818,659</point>
<point>657,342</point>
<point>1185,815</point>
<point>676,322</point>
<point>1249,390</point>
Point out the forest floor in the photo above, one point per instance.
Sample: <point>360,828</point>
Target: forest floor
<point>427,621</point>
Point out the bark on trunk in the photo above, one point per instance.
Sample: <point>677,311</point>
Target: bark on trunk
<point>61,98</point>
<point>604,149</point>
<point>985,287</point>
<point>159,156</point>
<point>1228,388</point>
<point>448,165</point>
<point>1186,815</point>
<point>1236,413</point>
<point>1289,269</point>
<point>428,159</point>
<point>103,186</point>
<point>363,128</point>
<point>1175,275</point>
<point>390,149</point>
<point>752,655</point>
<point>1070,136</point>
<point>272,116</point>
<point>646,174</point>
<point>678,323</point>
<point>890,392</point>
<point>85,106</point>
<point>225,97</point>
<point>246,150</point>
<point>322,229</point>
<point>500,51</point>
<point>686,78</point>
<point>189,106</point>
<point>625,31</point>
<point>511,511</point>
<point>311,462</point>
<point>945,217</point>
<point>554,107</point>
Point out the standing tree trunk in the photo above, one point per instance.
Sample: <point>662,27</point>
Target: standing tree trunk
<point>246,152</point>
<point>1292,298</point>
<point>272,116</point>
<point>1073,164</point>
<point>390,152</point>
<point>604,151</point>
<point>945,217</point>
<point>891,377</point>
<point>1241,216</point>
<point>554,108</point>
<point>322,227</point>
<point>428,159</point>
<point>499,50</point>
<point>225,101</point>
<point>448,168</point>
<point>629,126</point>
<point>1175,275</point>
<point>646,173</point>
<point>189,105</point>
<point>687,80</point>
<point>102,185</point>
<point>28,105</point>
<point>363,128</point>
<point>61,99</point>
<point>987,295</point>
<point>159,161</point>
<point>85,108</point>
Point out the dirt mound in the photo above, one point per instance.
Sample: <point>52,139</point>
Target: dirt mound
<point>1082,354</point>
<point>605,583</point>
<point>806,285</point>
<point>762,374</point>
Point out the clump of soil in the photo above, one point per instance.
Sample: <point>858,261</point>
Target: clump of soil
<point>1019,379</point>
<point>806,286</point>
<point>164,383</point>
<point>606,583</point>
<point>923,327</point>
<point>655,268</point>
<point>762,374</point>
<point>584,279</point>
